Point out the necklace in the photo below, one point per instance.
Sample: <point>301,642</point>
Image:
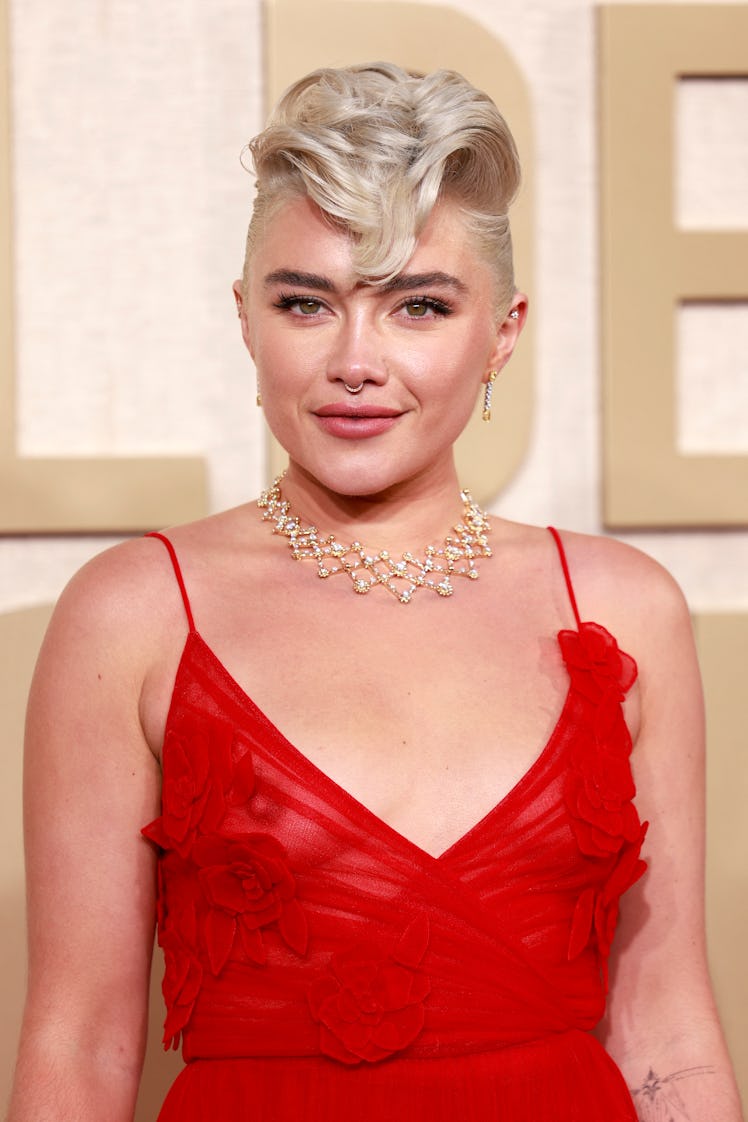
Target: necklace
<point>454,558</point>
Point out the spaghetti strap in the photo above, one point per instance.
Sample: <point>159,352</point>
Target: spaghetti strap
<point>567,576</point>
<point>178,575</point>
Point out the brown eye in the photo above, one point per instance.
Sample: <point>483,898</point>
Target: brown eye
<point>308,307</point>
<point>424,307</point>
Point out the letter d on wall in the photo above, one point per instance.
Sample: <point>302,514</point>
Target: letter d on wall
<point>650,268</point>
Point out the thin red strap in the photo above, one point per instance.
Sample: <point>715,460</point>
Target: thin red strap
<point>567,575</point>
<point>178,575</point>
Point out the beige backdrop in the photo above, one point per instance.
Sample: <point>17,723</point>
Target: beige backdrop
<point>118,342</point>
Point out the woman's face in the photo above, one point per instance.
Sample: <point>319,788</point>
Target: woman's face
<point>420,347</point>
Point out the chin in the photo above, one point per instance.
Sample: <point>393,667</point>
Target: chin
<point>357,484</point>
<point>367,480</point>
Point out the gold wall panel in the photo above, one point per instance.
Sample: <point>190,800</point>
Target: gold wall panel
<point>722,641</point>
<point>648,267</point>
<point>301,37</point>
<point>20,637</point>
<point>77,495</point>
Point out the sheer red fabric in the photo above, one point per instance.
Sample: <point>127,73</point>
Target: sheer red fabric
<point>318,961</point>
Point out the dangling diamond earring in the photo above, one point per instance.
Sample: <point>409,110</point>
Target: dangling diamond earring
<point>488,394</point>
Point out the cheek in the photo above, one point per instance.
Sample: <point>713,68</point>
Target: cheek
<point>277,363</point>
<point>448,360</point>
<point>456,373</point>
<point>283,352</point>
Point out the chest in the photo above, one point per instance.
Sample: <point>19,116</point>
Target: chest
<point>428,721</point>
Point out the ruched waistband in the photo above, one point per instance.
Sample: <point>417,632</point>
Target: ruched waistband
<point>562,1076</point>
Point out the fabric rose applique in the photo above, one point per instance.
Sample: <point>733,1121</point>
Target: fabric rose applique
<point>596,912</point>
<point>595,662</point>
<point>599,788</point>
<point>183,973</point>
<point>370,1005</point>
<point>247,885</point>
<point>203,772</point>
<point>217,892</point>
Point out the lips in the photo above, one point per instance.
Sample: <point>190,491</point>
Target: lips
<point>353,409</point>
<point>353,421</point>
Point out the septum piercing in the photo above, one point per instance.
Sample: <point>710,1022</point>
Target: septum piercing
<point>354,389</point>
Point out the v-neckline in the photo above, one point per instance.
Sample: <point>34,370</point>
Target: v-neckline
<point>342,794</point>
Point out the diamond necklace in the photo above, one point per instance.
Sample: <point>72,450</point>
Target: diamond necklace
<point>456,557</point>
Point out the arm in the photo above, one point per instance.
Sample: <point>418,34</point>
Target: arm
<point>90,782</point>
<point>662,1026</point>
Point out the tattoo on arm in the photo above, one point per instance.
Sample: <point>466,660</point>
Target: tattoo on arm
<point>658,1100</point>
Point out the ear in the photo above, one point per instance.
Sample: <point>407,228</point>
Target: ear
<point>507,333</point>
<point>238,290</point>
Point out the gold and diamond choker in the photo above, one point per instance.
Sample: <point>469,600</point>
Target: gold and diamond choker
<point>455,558</point>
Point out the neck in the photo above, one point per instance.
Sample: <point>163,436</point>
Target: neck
<point>403,517</point>
<point>336,555</point>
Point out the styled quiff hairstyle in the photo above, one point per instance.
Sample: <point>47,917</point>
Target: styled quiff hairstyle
<point>375,147</point>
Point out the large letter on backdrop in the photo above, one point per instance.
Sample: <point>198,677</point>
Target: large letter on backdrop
<point>650,268</point>
<point>83,494</point>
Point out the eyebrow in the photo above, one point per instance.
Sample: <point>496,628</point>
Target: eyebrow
<point>424,280</point>
<point>302,280</point>
<point>402,282</point>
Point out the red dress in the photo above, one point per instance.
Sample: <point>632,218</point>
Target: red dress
<point>321,966</point>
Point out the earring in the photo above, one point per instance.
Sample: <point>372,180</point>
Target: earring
<point>258,398</point>
<point>514,314</point>
<point>488,394</point>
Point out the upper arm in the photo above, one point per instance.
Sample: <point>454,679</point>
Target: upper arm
<point>90,783</point>
<point>660,985</point>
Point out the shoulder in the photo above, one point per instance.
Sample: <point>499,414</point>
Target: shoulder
<point>131,590</point>
<point>113,614</point>
<point>611,575</point>
<point>119,585</point>
<point>636,599</point>
<point>137,579</point>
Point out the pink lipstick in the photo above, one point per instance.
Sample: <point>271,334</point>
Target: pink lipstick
<point>356,422</point>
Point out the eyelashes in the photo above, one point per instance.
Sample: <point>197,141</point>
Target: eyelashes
<point>422,307</point>
<point>289,300</point>
<point>427,304</point>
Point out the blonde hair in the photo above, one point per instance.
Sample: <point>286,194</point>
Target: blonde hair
<point>375,147</point>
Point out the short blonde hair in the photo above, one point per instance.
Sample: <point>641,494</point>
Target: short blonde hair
<point>375,147</point>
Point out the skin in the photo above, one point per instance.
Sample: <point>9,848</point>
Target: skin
<point>98,707</point>
<point>426,366</point>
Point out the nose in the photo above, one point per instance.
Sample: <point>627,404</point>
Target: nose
<point>355,356</point>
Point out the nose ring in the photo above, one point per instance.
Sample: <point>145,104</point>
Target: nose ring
<point>354,389</point>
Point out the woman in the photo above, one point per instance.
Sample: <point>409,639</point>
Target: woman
<point>398,905</point>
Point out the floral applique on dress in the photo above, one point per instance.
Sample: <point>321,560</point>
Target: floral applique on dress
<point>216,893</point>
<point>599,788</point>
<point>370,1003</point>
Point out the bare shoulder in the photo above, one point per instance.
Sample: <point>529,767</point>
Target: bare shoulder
<point>120,615</point>
<point>629,592</point>
<point>131,589</point>
<point>116,592</point>
<point>611,573</point>
<point>608,576</point>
